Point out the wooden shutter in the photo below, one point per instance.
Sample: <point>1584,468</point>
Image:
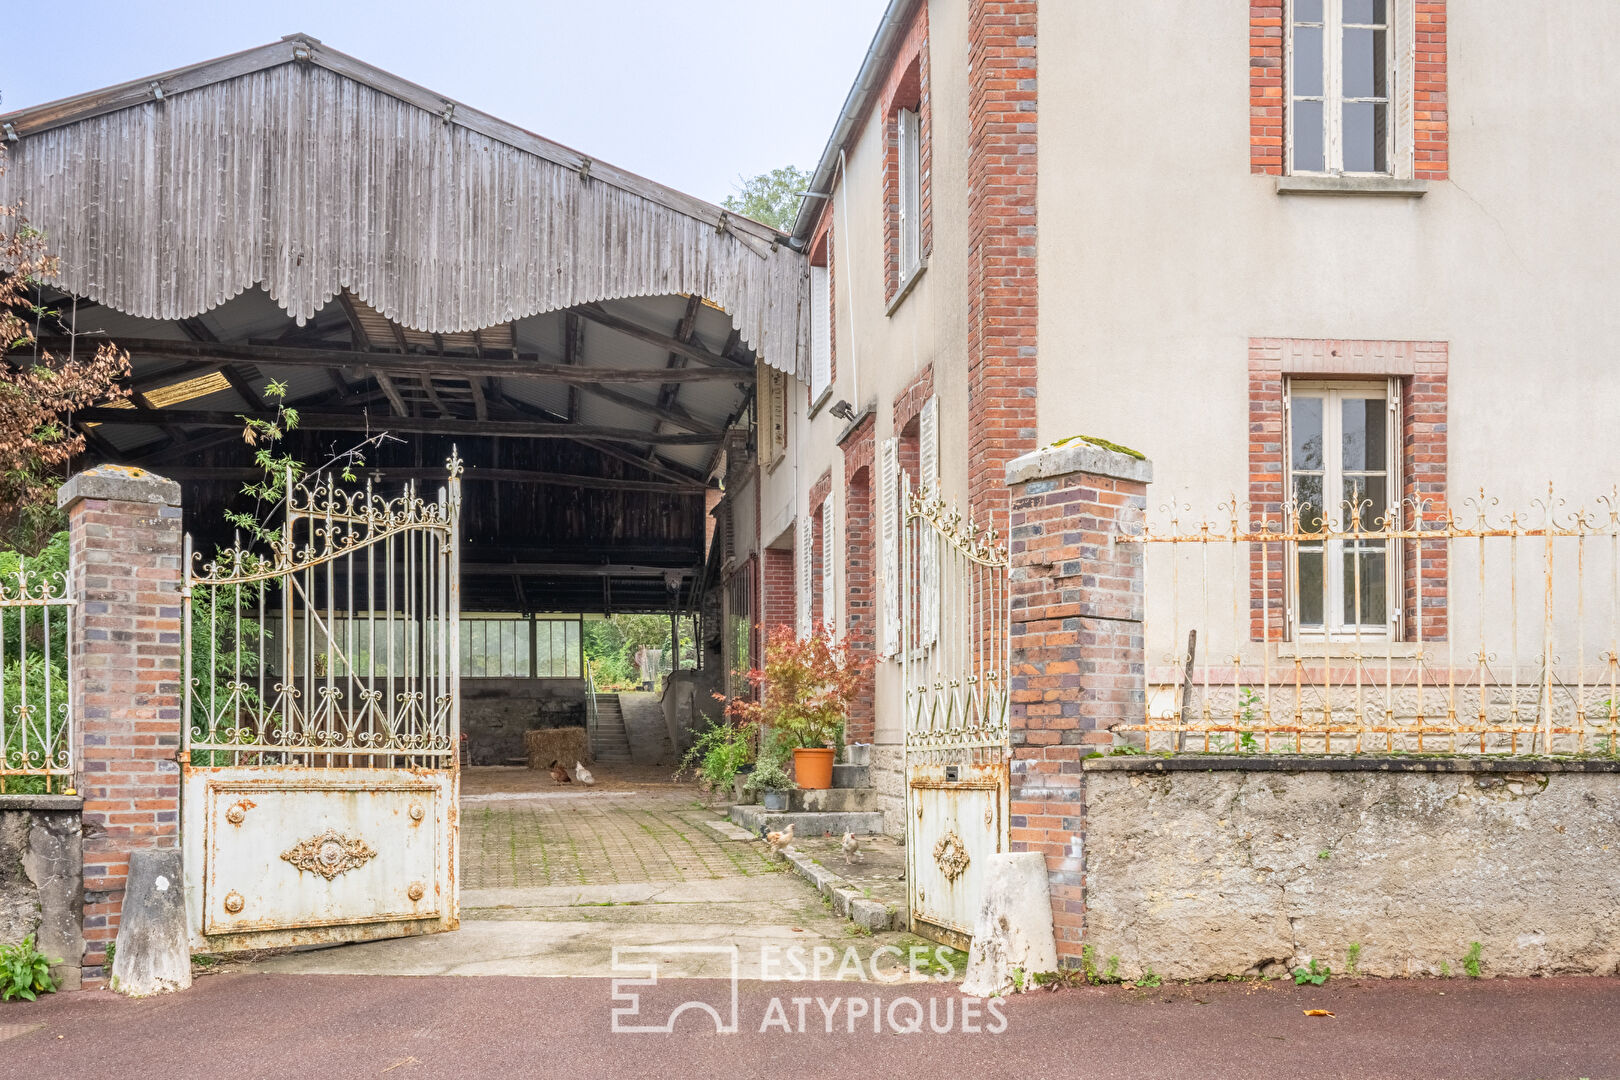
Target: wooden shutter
<point>1401,95</point>
<point>802,555</point>
<point>829,576</point>
<point>910,209</point>
<point>890,465</point>
<point>820,332</point>
<point>928,460</point>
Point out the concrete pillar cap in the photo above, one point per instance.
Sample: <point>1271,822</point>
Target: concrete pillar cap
<point>1080,454</point>
<point>118,483</point>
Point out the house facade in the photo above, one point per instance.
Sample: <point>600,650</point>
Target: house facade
<point>1284,249</point>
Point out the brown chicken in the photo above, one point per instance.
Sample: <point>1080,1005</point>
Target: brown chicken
<point>780,841</point>
<point>560,774</point>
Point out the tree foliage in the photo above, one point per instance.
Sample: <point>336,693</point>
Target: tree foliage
<point>771,198</point>
<point>39,389</point>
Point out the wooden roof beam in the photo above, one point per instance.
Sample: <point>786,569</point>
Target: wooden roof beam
<point>689,350</point>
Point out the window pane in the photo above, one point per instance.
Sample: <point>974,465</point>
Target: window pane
<point>1370,558</point>
<point>1362,441</point>
<point>1310,587</point>
<point>1365,126</point>
<point>1309,154</point>
<point>1307,11</point>
<point>1365,70</point>
<point>1306,420</point>
<point>1307,61</point>
<point>1363,498</point>
<point>1363,11</point>
<point>1308,499</point>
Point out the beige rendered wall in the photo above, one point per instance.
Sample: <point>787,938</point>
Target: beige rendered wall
<point>1161,255</point>
<point>879,352</point>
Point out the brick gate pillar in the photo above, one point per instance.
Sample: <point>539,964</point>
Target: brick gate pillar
<point>1077,650</point>
<point>126,647</point>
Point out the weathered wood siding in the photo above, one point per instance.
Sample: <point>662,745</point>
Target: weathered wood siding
<point>309,181</point>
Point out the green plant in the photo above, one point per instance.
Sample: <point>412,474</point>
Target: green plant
<point>1445,969</point>
<point>1324,854</point>
<point>1471,959</point>
<point>1061,979</point>
<point>1317,974</point>
<point>1149,978</point>
<point>717,753</point>
<point>24,971</point>
<point>1111,975</point>
<point>1352,957</point>
<point>770,774</point>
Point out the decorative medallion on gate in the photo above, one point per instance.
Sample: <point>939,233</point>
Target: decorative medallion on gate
<point>951,856</point>
<point>329,854</point>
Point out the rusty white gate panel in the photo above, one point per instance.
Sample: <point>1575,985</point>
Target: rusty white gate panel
<point>953,653</point>
<point>320,774</point>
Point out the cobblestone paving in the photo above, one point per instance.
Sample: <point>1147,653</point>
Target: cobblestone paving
<point>597,838</point>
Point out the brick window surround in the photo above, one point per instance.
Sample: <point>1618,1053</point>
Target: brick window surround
<point>1268,91</point>
<point>860,578</point>
<point>1421,368</point>
<point>907,408</point>
<point>777,572</point>
<point>906,88</point>
<point>1002,296</point>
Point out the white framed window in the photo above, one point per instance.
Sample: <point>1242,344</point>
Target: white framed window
<point>820,333</point>
<point>829,577</point>
<point>908,139</point>
<point>1343,455</point>
<point>1341,71</point>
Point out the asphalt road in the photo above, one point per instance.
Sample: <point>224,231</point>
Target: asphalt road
<point>258,1025</point>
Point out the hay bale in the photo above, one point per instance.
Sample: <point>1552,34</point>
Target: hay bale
<point>565,745</point>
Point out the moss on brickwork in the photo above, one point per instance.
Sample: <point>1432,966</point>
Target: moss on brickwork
<point>1102,444</point>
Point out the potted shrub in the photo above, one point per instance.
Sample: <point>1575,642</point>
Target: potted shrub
<point>771,782</point>
<point>805,690</point>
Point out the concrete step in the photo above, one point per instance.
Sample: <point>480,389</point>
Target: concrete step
<point>808,823</point>
<point>852,776</point>
<point>832,800</point>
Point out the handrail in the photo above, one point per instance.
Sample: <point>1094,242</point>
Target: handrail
<point>590,709</point>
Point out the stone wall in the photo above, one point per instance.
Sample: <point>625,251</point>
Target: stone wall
<point>1204,867</point>
<point>42,878</point>
<point>496,712</point>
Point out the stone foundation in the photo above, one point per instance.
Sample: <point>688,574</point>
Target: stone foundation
<point>1206,867</point>
<point>887,769</point>
<point>496,712</point>
<point>42,878</point>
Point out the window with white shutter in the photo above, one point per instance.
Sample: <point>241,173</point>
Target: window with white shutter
<point>908,141</point>
<point>802,554</point>
<point>928,466</point>
<point>829,576</point>
<point>890,466</point>
<point>820,332</point>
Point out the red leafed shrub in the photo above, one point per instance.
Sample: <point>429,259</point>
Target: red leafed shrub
<point>806,688</point>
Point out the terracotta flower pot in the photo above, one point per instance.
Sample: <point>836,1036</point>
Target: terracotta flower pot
<point>813,767</point>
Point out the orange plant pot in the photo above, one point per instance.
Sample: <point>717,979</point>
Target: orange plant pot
<point>813,767</point>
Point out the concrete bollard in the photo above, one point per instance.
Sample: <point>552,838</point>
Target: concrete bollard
<point>1014,929</point>
<point>154,950</point>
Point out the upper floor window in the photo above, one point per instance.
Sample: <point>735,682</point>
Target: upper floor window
<point>820,333</point>
<point>1341,56</point>
<point>908,141</point>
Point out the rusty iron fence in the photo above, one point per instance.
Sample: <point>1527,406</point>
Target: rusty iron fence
<point>38,747</point>
<point>339,647</point>
<point>1417,628</point>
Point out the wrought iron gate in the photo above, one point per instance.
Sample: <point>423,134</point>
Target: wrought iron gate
<point>322,721</point>
<point>953,652</point>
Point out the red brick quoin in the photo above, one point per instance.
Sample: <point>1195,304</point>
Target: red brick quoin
<point>1268,89</point>
<point>860,584</point>
<point>127,652</point>
<point>1001,247</point>
<point>1077,650</point>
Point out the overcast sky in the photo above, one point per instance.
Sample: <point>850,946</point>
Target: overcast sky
<point>691,93</point>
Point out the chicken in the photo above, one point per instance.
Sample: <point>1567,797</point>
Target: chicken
<point>560,774</point>
<point>852,848</point>
<point>582,774</point>
<point>780,841</point>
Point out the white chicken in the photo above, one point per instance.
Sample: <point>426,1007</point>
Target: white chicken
<point>852,848</point>
<point>780,841</point>
<point>582,774</point>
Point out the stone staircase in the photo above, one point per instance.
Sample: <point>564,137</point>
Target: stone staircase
<point>645,728</point>
<point>850,805</point>
<point>611,746</point>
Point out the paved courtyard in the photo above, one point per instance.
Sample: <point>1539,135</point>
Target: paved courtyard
<point>555,877</point>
